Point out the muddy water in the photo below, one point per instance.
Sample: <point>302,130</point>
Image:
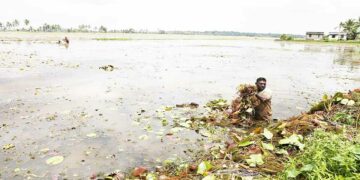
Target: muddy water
<point>54,99</point>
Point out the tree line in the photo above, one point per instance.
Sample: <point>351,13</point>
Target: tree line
<point>26,26</point>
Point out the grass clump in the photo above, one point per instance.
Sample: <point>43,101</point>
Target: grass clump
<point>327,156</point>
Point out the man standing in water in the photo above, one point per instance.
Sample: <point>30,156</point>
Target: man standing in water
<point>263,110</point>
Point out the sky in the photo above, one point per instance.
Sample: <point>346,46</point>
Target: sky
<point>260,16</point>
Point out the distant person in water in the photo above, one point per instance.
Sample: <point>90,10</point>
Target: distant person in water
<point>66,40</point>
<point>263,109</point>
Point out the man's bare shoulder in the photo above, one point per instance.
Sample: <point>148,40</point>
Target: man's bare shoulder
<point>265,94</point>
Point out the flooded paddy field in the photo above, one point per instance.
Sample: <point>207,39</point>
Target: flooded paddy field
<point>57,102</point>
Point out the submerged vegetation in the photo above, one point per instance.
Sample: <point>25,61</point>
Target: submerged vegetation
<point>320,144</point>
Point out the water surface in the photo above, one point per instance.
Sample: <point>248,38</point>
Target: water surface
<point>53,97</point>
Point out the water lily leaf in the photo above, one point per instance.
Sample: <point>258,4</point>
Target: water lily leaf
<point>143,137</point>
<point>151,176</point>
<point>209,177</point>
<point>185,124</point>
<point>91,135</point>
<point>203,168</point>
<point>164,122</point>
<point>55,160</point>
<point>267,134</point>
<point>205,133</point>
<point>351,103</point>
<point>176,129</point>
<point>255,159</point>
<point>267,146</point>
<point>245,143</point>
<point>344,101</point>
<point>294,139</point>
<point>249,110</point>
<point>282,151</point>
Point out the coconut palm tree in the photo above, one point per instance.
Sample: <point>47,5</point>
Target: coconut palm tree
<point>15,23</point>
<point>26,22</point>
<point>351,27</point>
<point>8,25</point>
<point>102,29</point>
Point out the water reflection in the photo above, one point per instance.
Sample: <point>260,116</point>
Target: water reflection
<point>348,56</point>
<point>344,55</point>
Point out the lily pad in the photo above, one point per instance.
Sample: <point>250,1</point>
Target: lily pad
<point>151,176</point>
<point>255,159</point>
<point>91,135</point>
<point>282,151</point>
<point>143,137</point>
<point>267,134</point>
<point>350,103</point>
<point>294,139</point>
<point>344,101</point>
<point>267,146</point>
<point>55,160</point>
<point>209,177</point>
<point>245,143</point>
<point>176,130</point>
<point>203,168</point>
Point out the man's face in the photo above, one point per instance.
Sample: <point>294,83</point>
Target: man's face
<point>261,85</point>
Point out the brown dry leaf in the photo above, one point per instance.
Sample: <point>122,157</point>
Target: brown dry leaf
<point>138,171</point>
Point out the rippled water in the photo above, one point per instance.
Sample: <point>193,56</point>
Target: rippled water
<point>52,96</point>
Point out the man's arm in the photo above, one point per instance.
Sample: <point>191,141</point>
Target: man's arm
<point>260,98</point>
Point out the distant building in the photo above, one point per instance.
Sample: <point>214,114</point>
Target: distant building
<point>314,35</point>
<point>337,36</point>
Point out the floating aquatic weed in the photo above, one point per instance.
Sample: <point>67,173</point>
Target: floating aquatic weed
<point>107,67</point>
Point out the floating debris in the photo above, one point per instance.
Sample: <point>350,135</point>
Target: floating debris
<point>8,146</point>
<point>107,68</point>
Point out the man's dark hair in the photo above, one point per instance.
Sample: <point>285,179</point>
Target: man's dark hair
<point>260,79</point>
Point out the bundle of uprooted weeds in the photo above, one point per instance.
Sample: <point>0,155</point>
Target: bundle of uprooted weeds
<point>242,108</point>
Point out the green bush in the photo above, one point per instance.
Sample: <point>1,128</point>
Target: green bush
<point>326,156</point>
<point>285,37</point>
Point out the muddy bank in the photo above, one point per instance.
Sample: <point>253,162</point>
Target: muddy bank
<point>322,143</point>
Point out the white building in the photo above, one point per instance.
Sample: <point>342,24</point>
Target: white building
<point>337,36</point>
<point>314,35</point>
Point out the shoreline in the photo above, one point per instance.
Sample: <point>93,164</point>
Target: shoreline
<point>51,36</point>
<point>350,42</point>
